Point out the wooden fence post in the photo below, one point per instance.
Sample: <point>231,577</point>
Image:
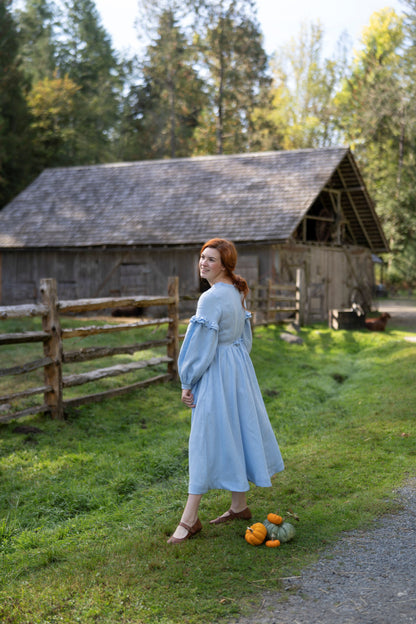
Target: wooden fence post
<point>52,348</point>
<point>173,329</point>
<point>300,296</point>
<point>268,303</point>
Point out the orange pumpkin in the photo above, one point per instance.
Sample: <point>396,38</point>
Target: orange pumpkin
<point>256,534</point>
<point>272,543</point>
<point>274,518</point>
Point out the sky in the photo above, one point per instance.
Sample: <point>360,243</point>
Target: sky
<point>280,20</point>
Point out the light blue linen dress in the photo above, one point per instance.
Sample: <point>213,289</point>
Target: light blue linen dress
<point>231,441</point>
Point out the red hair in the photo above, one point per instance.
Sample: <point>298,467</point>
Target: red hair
<point>228,255</point>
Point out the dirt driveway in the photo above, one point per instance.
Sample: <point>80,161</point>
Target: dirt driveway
<point>402,312</point>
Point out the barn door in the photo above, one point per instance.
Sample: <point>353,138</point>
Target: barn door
<point>316,294</point>
<point>134,278</point>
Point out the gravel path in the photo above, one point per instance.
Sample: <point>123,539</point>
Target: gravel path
<point>368,577</point>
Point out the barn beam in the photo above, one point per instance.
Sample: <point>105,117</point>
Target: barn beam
<point>345,189</point>
<point>356,212</point>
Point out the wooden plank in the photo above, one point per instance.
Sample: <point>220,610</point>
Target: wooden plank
<point>22,311</point>
<point>25,393</point>
<point>86,305</point>
<point>280,287</point>
<point>120,369</point>
<point>279,298</point>
<point>25,368</point>
<point>94,353</point>
<point>23,337</point>
<point>105,329</point>
<point>26,412</point>
<point>108,394</point>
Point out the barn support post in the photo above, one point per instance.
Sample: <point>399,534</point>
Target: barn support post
<point>173,329</point>
<point>300,296</point>
<point>52,348</point>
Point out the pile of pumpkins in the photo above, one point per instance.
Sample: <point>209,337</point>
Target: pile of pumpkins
<point>274,530</point>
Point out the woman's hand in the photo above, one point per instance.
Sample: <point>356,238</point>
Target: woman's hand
<point>188,398</point>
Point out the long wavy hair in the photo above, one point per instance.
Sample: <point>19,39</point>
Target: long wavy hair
<point>228,255</point>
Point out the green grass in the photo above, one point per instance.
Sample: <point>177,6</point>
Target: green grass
<point>86,506</point>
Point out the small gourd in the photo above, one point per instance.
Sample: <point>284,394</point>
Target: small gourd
<point>256,534</point>
<point>283,532</point>
<point>274,518</point>
<point>272,543</point>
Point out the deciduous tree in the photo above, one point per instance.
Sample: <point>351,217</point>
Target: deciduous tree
<point>375,114</point>
<point>304,87</point>
<point>51,102</point>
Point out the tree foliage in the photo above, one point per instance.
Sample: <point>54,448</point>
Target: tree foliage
<point>162,111</point>
<point>51,102</point>
<point>86,56</point>
<point>230,46</point>
<point>375,114</point>
<point>38,24</point>
<point>16,166</point>
<point>304,88</point>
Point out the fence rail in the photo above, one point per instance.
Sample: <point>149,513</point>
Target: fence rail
<point>50,310</point>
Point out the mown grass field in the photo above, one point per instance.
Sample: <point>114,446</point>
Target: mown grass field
<point>87,505</point>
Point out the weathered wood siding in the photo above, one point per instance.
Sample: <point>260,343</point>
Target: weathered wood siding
<point>330,273</point>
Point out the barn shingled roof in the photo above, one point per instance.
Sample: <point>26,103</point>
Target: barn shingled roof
<point>247,197</point>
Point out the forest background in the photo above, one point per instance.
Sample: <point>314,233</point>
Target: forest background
<point>203,84</point>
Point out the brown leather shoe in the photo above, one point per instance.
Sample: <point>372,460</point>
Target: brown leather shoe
<point>243,515</point>
<point>193,530</point>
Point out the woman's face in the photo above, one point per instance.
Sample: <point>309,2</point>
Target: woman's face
<point>210,265</point>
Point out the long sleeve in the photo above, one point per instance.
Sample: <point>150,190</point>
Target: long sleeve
<point>200,343</point>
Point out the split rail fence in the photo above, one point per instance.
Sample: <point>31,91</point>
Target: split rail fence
<point>277,303</point>
<point>269,304</point>
<point>50,309</point>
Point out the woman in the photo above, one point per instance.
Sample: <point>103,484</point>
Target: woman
<point>231,440</point>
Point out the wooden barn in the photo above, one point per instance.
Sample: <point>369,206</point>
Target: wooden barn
<point>121,229</point>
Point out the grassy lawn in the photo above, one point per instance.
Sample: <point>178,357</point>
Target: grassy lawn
<point>87,505</point>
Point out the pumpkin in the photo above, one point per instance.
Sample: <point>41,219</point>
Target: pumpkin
<point>256,534</point>
<point>283,532</point>
<point>274,518</point>
<point>272,543</point>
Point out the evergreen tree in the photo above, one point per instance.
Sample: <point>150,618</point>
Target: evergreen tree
<point>163,110</point>
<point>16,165</point>
<point>37,24</point>
<point>85,55</point>
<point>231,50</point>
